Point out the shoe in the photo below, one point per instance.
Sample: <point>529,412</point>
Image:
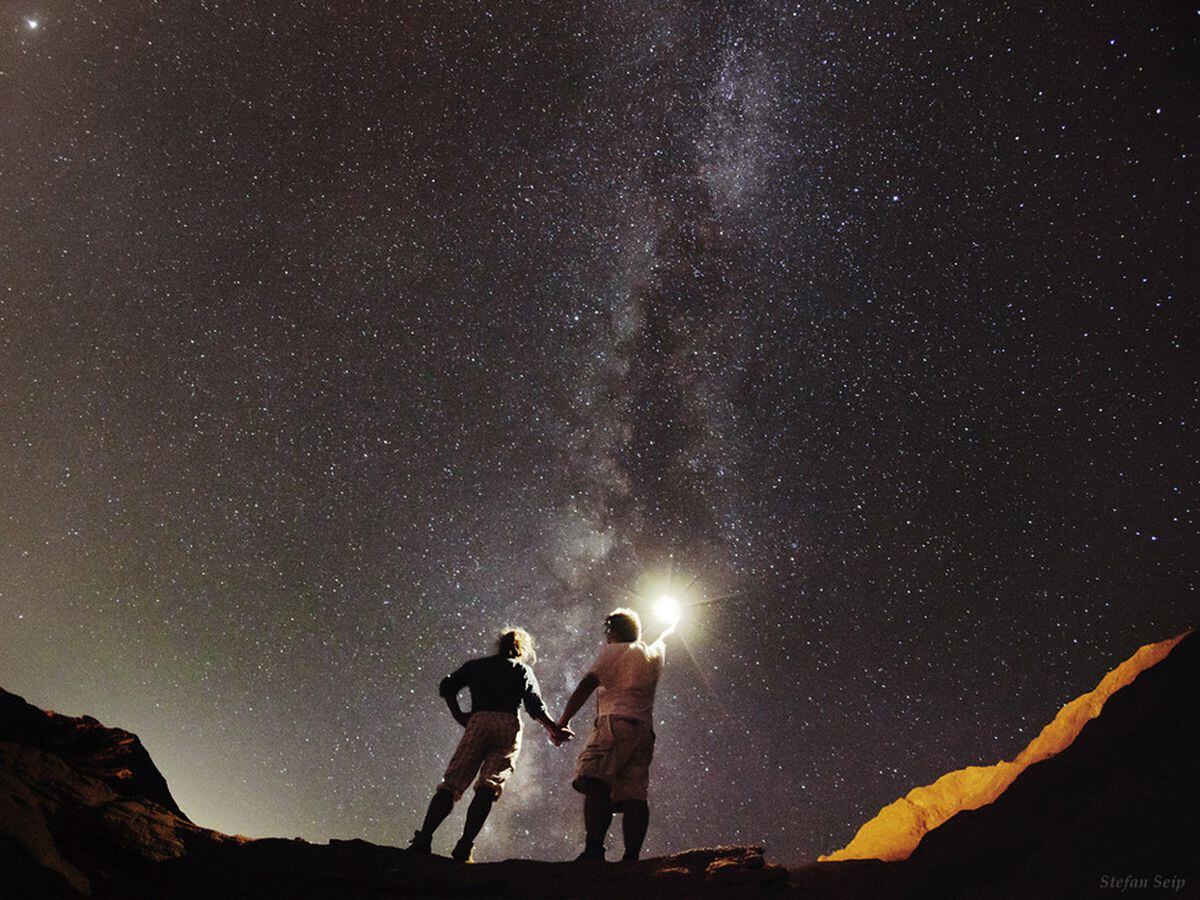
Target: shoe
<point>591,854</point>
<point>421,843</point>
<point>462,852</point>
<point>629,858</point>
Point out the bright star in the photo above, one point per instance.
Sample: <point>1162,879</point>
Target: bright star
<point>32,24</point>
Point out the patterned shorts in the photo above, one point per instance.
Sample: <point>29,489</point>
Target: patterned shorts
<point>489,746</point>
<point>618,752</point>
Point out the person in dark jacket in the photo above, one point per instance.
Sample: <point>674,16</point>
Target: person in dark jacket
<point>499,684</point>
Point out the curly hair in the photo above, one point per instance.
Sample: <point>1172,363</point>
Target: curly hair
<point>624,624</point>
<point>516,643</point>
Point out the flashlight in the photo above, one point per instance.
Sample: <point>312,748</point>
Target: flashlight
<point>667,610</point>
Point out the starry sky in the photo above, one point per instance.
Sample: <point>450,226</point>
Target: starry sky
<point>336,336</point>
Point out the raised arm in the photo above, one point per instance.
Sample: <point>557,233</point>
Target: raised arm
<point>666,633</point>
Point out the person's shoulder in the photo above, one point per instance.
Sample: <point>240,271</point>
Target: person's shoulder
<point>607,655</point>
<point>507,664</point>
<point>653,651</point>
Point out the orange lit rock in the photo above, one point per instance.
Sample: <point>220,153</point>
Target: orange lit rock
<point>895,832</point>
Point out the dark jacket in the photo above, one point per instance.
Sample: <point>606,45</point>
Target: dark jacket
<point>497,684</point>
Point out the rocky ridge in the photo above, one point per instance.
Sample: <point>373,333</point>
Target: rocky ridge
<point>84,811</point>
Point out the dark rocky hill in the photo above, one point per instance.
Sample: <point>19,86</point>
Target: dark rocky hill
<point>1120,802</point>
<point>84,811</point>
<point>1113,814</point>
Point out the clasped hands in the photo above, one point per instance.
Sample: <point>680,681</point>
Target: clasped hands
<point>559,734</point>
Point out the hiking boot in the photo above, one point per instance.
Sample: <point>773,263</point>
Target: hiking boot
<point>421,843</point>
<point>462,852</point>
<point>591,853</point>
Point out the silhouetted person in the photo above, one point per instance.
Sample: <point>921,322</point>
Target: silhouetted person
<point>613,771</point>
<point>499,685</point>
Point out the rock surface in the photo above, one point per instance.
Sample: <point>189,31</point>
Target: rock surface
<point>1120,801</point>
<point>897,829</point>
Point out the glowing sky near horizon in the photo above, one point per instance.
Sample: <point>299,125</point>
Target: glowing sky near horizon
<point>332,340</point>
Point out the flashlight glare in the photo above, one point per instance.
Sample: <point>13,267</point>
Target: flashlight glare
<point>667,609</point>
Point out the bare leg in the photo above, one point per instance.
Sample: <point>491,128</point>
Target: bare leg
<point>634,822</point>
<point>477,814</point>
<point>439,808</point>
<point>597,817</point>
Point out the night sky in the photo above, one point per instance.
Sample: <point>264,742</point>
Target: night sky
<point>334,337</point>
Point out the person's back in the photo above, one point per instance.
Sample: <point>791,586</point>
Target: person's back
<point>628,675</point>
<point>499,686</point>
<point>496,684</point>
<point>613,770</point>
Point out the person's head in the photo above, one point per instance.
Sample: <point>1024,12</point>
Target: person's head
<point>516,643</point>
<point>622,626</point>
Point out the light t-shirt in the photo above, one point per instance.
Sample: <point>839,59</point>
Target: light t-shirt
<point>628,675</point>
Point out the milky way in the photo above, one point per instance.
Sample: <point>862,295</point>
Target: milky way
<point>335,337</point>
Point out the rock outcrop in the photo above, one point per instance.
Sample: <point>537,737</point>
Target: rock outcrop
<point>82,801</point>
<point>899,827</point>
<point>1119,803</point>
<point>110,755</point>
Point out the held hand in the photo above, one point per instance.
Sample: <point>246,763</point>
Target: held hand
<point>559,735</point>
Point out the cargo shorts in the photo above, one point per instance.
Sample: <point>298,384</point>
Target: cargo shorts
<point>618,752</point>
<point>489,745</point>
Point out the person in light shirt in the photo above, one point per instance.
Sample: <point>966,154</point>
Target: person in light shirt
<point>613,771</point>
